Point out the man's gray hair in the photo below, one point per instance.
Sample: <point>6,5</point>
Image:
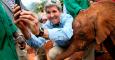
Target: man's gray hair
<point>53,3</point>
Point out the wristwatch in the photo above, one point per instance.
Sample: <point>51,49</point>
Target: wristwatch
<point>41,32</point>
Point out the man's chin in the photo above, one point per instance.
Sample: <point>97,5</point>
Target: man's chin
<point>54,22</point>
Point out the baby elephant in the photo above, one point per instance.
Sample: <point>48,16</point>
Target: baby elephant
<point>92,26</point>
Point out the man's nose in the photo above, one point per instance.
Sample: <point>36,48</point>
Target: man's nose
<point>52,14</point>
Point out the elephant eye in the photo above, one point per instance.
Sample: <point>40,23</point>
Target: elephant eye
<point>82,35</point>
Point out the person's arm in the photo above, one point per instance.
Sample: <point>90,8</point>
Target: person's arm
<point>36,42</point>
<point>74,6</point>
<point>29,21</point>
<point>61,35</point>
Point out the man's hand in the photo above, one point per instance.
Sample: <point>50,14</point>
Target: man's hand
<point>30,20</point>
<point>26,20</point>
<point>17,10</point>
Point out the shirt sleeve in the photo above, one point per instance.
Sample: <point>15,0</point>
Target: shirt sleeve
<point>36,42</point>
<point>62,35</point>
<point>73,7</point>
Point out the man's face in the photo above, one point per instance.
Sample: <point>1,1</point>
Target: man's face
<point>53,14</point>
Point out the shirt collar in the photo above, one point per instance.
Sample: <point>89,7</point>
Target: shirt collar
<point>57,25</point>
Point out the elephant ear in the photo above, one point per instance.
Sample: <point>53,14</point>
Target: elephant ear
<point>104,26</point>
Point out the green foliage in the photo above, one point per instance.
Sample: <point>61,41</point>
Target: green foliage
<point>61,1</point>
<point>39,7</point>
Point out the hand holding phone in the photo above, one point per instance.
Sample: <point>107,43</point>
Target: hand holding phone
<point>16,10</point>
<point>21,41</point>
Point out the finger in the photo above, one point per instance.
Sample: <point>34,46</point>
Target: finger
<point>16,8</point>
<point>29,22</point>
<point>32,26</point>
<point>16,21</point>
<point>29,17</point>
<point>26,21</point>
<point>17,14</point>
<point>27,13</point>
<point>22,26</point>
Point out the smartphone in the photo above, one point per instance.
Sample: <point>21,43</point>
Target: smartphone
<point>17,2</point>
<point>22,6</point>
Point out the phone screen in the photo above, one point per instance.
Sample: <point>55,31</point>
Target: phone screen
<point>17,2</point>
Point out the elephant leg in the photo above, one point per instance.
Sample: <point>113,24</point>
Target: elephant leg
<point>110,47</point>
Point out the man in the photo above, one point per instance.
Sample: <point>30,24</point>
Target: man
<point>7,44</point>
<point>58,29</point>
<point>18,36</point>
